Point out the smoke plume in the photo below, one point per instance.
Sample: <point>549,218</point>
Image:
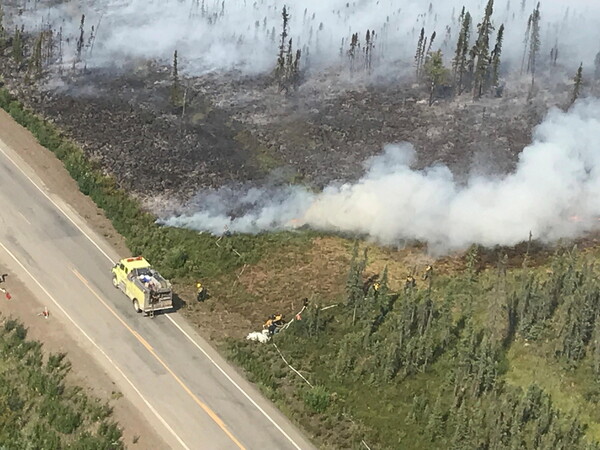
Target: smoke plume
<point>245,34</point>
<point>552,193</point>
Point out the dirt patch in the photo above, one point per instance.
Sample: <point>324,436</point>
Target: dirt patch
<point>281,281</point>
<point>275,284</point>
<point>85,372</point>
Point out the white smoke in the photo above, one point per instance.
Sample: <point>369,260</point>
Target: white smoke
<point>557,177</point>
<point>245,34</point>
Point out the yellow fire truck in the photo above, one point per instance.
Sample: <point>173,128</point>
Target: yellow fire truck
<point>145,287</point>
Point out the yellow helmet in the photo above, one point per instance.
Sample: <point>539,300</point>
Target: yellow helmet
<point>376,286</point>
<point>198,285</point>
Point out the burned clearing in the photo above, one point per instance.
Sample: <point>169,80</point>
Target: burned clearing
<point>247,132</point>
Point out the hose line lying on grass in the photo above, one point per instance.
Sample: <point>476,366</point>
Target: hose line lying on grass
<point>290,366</point>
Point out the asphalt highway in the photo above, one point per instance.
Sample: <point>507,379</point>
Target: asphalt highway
<point>178,381</point>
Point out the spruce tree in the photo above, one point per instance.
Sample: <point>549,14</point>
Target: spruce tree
<point>534,42</point>
<point>435,73</point>
<point>433,35</point>
<point>420,47</point>
<point>2,29</point>
<point>481,50</point>
<point>354,45</point>
<point>289,62</point>
<point>36,57</point>
<point>435,421</point>
<point>17,46</point>
<point>369,47</point>
<point>296,69</point>
<point>526,43</point>
<point>459,64</point>
<point>577,86</point>
<point>280,71</point>
<point>597,66</point>
<point>80,40</point>
<point>554,54</point>
<point>496,55</point>
<point>421,60</point>
<point>175,83</point>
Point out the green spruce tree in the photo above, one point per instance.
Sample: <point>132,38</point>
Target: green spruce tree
<point>435,73</point>
<point>481,50</point>
<point>17,47</point>
<point>459,64</point>
<point>280,70</point>
<point>495,56</point>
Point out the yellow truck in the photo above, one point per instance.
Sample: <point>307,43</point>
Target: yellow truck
<point>146,288</point>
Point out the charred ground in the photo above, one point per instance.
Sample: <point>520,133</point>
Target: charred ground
<point>238,130</point>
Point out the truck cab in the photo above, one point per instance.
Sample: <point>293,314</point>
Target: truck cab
<point>146,288</point>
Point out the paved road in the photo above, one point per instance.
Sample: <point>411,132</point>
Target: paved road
<point>177,380</point>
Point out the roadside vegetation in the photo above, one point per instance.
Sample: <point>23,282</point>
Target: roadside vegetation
<point>38,408</point>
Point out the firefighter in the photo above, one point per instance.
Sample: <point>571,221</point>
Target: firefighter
<point>410,282</point>
<point>278,320</point>
<point>200,292</point>
<point>370,282</point>
<point>428,272</point>
<point>270,325</point>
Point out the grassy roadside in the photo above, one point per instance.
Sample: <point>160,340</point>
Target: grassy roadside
<point>39,410</point>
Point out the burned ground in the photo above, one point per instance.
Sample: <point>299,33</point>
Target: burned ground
<point>243,130</point>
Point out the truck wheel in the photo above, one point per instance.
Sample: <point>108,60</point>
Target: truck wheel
<point>136,306</point>
<point>115,282</point>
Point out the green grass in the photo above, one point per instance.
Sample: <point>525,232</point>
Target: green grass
<point>37,408</point>
<point>530,363</point>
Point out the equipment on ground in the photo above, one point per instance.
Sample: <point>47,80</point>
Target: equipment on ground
<point>146,288</point>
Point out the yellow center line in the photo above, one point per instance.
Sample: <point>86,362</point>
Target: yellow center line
<point>145,343</point>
